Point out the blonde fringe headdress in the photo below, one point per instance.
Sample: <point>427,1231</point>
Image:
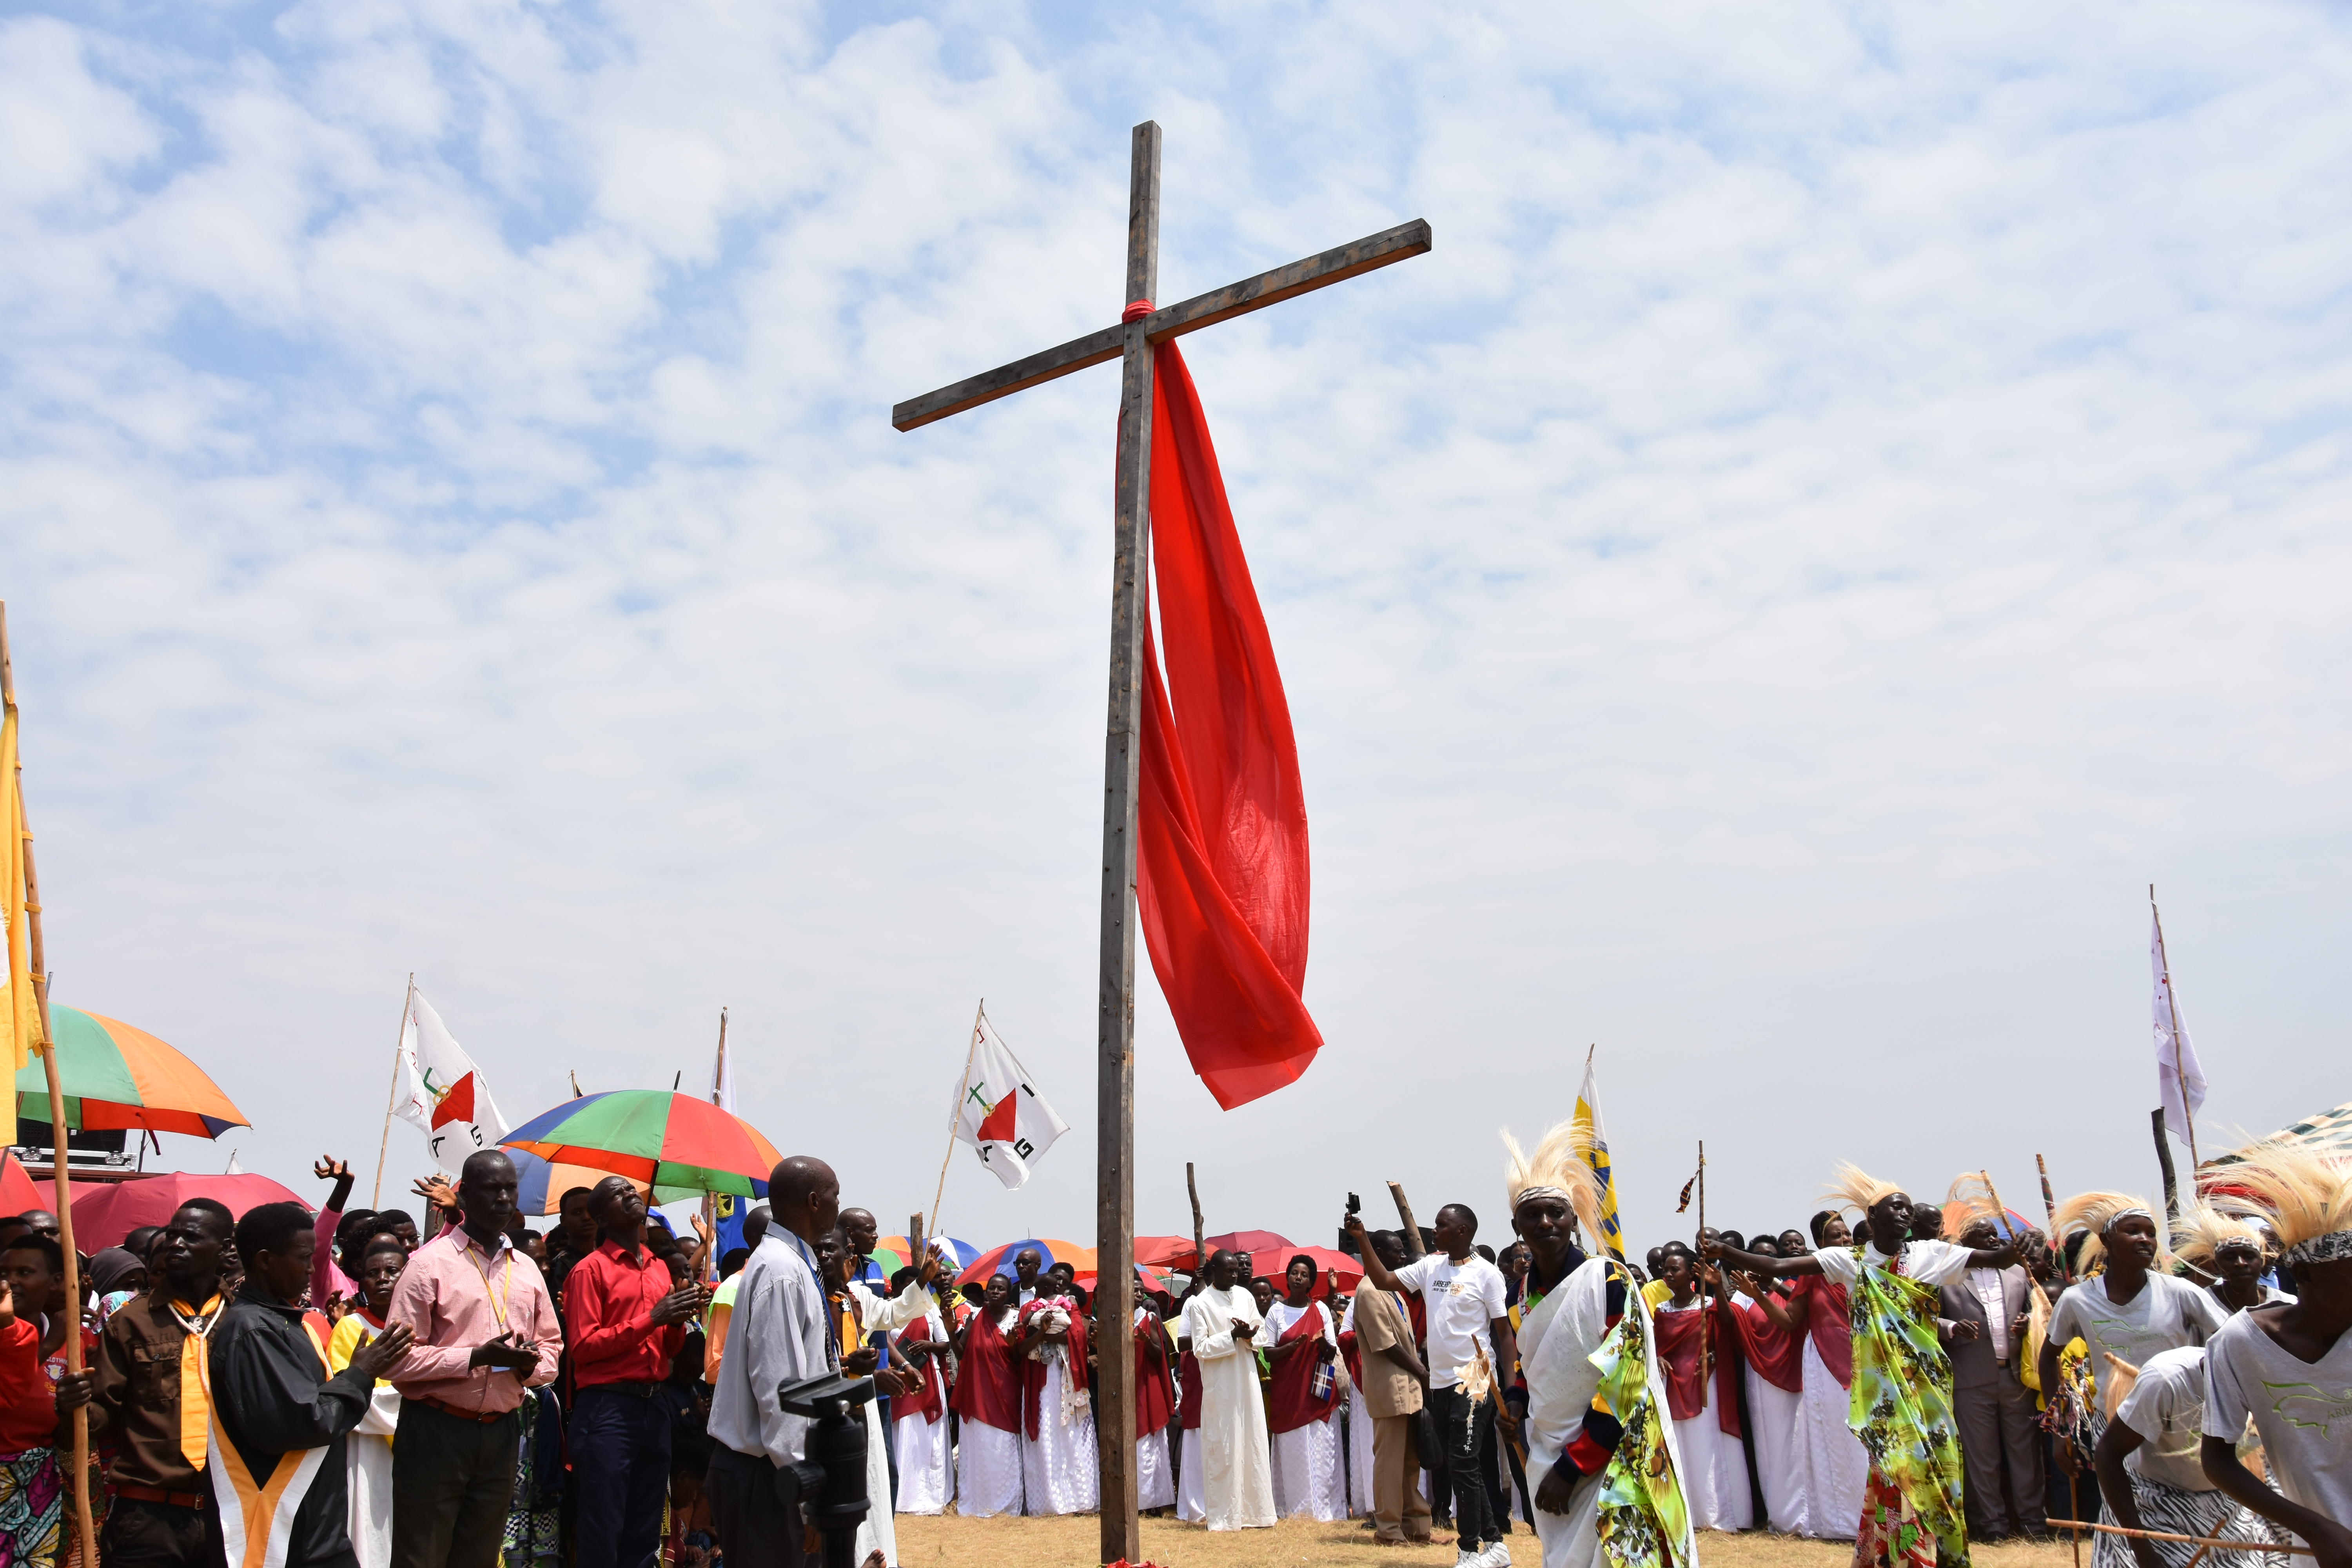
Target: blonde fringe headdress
<point>2200,1232</point>
<point>2095,1214</point>
<point>1558,1169</point>
<point>1858,1188</point>
<point>2306,1196</point>
<point>1973,1192</point>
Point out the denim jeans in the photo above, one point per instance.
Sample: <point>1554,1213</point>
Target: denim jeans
<point>1463,1429</point>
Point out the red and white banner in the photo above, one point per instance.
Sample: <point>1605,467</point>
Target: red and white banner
<point>444,1095</point>
<point>1000,1115</point>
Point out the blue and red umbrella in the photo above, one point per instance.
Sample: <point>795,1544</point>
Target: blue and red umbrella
<point>998,1259</point>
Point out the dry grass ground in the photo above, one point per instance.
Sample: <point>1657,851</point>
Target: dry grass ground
<point>1300,1544</point>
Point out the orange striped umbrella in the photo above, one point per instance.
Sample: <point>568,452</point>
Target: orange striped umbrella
<point>115,1076</point>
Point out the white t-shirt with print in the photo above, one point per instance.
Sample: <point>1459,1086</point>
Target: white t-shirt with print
<point>2302,1409</point>
<point>2165,1314</point>
<point>1460,1301</point>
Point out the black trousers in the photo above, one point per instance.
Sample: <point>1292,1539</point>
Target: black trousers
<point>620,1466</point>
<point>156,1535</point>
<point>756,1509</point>
<point>453,1484</point>
<point>1465,1429</point>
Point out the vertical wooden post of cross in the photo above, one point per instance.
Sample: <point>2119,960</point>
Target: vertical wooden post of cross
<point>1115,1024</point>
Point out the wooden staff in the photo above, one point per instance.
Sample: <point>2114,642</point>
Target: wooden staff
<point>956,1115</point>
<point>1199,1243</point>
<point>391,1094</point>
<point>1413,1246</point>
<point>2049,1208</point>
<point>1700,1262</point>
<point>38,964</point>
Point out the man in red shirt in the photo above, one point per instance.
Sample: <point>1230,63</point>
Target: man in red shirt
<point>625,1322</point>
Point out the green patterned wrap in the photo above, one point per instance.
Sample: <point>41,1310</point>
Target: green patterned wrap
<point>1902,1406</point>
<point>1645,1522</point>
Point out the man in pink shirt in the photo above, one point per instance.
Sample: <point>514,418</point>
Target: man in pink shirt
<point>485,1330</point>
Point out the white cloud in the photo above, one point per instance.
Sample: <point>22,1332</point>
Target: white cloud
<point>1851,497</point>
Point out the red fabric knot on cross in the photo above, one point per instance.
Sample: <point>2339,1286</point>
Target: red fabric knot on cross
<point>1136,310</point>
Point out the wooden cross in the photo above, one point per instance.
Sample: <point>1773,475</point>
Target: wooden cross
<point>1131,342</point>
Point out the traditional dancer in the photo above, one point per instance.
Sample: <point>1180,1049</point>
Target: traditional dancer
<point>2128,1313</point>
<point>2225,1252</point>
<point>2150,1477</point>
<point>2287,1366</point>
<point>988,1402</point>
<point>1902,1397</point>
<point>1307,1475</point>
<point>1600,1451</point>
<point>1236,1472</point>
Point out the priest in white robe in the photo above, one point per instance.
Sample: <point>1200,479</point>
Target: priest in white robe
<point>1236,1465</point>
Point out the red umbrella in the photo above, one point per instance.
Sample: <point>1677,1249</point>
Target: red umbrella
<point>1164,1251</point>
<point>17,1192</point>
<point>106,1212</point>
<point>1276,1265</point>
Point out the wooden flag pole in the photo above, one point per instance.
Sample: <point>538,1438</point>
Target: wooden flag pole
<point>955,1115</point>
<point>1705,1372</point>
<point>1200,1242</point>
<point>38,965</point>
<point>1413,1246</point>
<point>391,1094</point>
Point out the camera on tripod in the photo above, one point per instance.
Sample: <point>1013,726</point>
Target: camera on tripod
<point>832,1479</point>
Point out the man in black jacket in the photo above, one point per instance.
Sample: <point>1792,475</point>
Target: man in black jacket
<point>279,1419</point>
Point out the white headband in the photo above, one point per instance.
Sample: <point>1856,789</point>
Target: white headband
<point>1529,1194</point>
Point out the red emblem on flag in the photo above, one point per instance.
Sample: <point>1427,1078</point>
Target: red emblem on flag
<point>457,1105</point>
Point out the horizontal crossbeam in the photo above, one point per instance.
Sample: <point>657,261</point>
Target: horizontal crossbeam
<point>1398,244</point>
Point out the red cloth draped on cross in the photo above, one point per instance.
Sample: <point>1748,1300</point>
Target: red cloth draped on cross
<point>1220,852</point>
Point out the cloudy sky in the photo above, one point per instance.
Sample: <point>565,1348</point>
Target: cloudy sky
<point>1856,493</point>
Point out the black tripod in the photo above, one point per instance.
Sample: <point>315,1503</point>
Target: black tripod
<point>832,1480</point>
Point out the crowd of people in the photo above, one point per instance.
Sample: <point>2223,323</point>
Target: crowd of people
<point>344,1388</point>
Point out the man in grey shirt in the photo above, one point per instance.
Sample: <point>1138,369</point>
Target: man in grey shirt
<point>778,1333</point>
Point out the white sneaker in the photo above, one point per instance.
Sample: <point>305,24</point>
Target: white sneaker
<point>1496,1555</point>
<point>1467,1559</point>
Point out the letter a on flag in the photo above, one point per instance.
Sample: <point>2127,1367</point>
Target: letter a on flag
<point>1001,1116</point>
<point>445,1096</point>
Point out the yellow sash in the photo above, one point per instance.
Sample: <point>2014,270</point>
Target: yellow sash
<point>195,1377</point>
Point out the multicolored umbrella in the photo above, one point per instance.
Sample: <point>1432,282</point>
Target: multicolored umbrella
<point>998,1259</point>
<point>892,1253</point>
<point>115,1076</point>
<point>678,1145</point>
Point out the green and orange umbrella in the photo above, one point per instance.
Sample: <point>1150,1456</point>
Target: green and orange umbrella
<point>115,1076</point>
<point>680,1146</point>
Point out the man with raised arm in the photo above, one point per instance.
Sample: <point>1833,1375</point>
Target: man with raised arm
<point>1470,1337</point>
<point>778,1333</point>
<point>485,1330</point>
<point>1911,1510</point>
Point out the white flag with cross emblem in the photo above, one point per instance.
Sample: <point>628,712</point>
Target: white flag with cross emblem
<point>1000,1115</point>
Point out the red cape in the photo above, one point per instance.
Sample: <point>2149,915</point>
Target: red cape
<point>1033,1373</point>
<point>1189,1371</point>
<point>1777,1355</point>
<point>1678,1337</point>
<point>928,1404</point>
<point>1290,1402</point>
<point>988,1383</point>
<point>1155,1391</point>
<point>1829,1318</point>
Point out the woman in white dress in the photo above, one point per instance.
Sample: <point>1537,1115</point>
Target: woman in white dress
<point>1302,1343</point>
<point>987,1401</point>
<point>1060,1469</point>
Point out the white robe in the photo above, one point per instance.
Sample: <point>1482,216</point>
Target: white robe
<point>922,1447</point>
<point>875,1311</point>
<point>1836,1466</point>
<point>1360,1436</point>
<point>1236,1465</point>
<point>1774,1418</point>
<point>1309,1478</point>
<point>1060,1468</point>
<point>988,1470</point>
<point>1189,1506</point>
<point>1556,1345</point>
<point>367,1471</point>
